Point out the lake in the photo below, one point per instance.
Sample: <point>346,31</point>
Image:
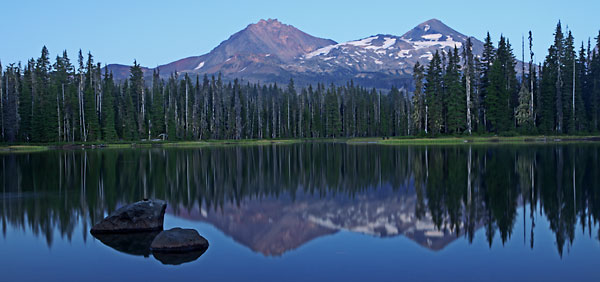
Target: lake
<point>311,212</point>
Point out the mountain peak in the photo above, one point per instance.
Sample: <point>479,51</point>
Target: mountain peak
<point>269,22</point>
<point>433,27</point>
<point>434,24</point>
<point>269,27</point>
<point>272,37</point>
<point>432,21</point>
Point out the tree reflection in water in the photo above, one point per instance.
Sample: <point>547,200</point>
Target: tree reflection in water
<point>378,190</point>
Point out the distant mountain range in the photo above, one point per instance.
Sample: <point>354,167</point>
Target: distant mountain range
<point>270,51</point>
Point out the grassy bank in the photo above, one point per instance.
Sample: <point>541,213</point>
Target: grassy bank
<point>475,140</point>
<point>367,140</point>
<point>230,142</point>
<point>23,148</point>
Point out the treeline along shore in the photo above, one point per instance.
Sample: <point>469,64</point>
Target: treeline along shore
<point>457,93</point>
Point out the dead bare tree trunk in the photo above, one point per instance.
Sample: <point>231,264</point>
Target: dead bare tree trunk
<point>573,96</point>
<point>468,59</point>
<point>82,128</point>
<point>187,116</point>
<point>57,119</point>
<point>2,102</point>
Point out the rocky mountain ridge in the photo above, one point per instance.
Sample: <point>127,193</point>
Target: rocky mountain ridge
<point>270,51</point>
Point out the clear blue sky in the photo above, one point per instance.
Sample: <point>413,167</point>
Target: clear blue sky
<point>158,32</point>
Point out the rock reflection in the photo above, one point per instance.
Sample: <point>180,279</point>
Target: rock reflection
<point>177,258</point>
<point>275,198</point>
<point>137,244</point>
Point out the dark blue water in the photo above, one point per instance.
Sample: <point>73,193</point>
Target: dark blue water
<point>312,212</point>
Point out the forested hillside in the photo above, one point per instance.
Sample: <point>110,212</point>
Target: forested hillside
<point>457,92</point>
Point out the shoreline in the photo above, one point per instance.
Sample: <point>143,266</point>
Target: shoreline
<point>479,140</point>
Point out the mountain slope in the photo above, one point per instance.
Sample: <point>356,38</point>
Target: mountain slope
<point>270,51</point>
<point>261,47</point>
<point>388,54</point>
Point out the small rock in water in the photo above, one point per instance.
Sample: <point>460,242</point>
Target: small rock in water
<point>178,240</point>
<point>139,216</point>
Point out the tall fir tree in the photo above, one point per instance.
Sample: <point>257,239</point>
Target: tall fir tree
<point>91,125</point>
<point>136,89</point>
<point>332,107</point>
<point>109,132</point>
<point>419,98</point>
<point>487,58</point>
<point>158,105</point>
<point>433,94</point>
<point>456,94</point>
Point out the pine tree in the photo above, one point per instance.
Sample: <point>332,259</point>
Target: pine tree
<point>559,54</point>
<point>552,85</point>
<point>487,58</point>
<point>26,103</point>
<point>595,87</point>
<point>580,117</point>
<point>62,83</point>
<point>171,120</point>
<point>109,132</point>
<point>433,95</point>
<point>569,83</point>
<point>44,118</point>
<point>2,137</point>
<point>158,105</point>
<point>456,95</point>
<point>10,99</point>
<point>419,98</point>
<point>496,98</point>
<point>523,117</point>
<point>332,109</point>
<point>91,125</point>
<point>136,88</point>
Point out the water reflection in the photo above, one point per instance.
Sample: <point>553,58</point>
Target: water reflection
<point>276,198</point>
<point>136,243</point>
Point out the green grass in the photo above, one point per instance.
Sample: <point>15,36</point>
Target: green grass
<point>476,140</point>
<point>230,142</point>
<point>445,140</point>
<point>22,148</point>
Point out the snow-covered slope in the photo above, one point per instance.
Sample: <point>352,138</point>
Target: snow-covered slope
<point>388,54</point>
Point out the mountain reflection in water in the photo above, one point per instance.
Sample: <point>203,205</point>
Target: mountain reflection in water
<point>275,198</point>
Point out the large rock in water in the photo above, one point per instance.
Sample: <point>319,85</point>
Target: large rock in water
<point>147,215</point>
<point>178,240</point>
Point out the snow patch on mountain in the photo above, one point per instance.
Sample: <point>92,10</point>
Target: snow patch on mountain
<point>427,55</point>
<point>449,42</point>
<point>404,54</point>
<point>365,43</point>
<point>435,36</point>
<point>389,42</point>
<point>200,65</point>
<point>322,51</point>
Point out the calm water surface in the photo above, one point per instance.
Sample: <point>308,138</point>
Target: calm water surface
<point>310,212</point>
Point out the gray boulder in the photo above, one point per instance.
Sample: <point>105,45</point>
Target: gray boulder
<point>147,215</point>
<point>178,240</point>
